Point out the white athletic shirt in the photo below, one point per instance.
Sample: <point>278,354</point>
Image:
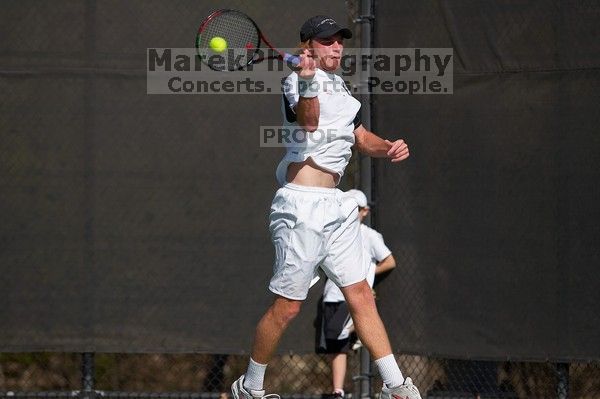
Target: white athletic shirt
<point>330,146</point>
<point>374,249</point>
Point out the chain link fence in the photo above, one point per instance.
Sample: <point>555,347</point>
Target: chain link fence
<point>291,375</point>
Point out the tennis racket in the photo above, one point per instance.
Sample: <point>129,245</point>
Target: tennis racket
<point>241,39</point>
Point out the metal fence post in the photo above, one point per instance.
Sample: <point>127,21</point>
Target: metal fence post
<point>365,373</point>
<point>562,386</point>
<point>87,376</point>
<point>366,168</point>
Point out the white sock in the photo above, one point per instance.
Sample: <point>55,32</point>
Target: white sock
<point>255,376</point>
<point>389,371</point>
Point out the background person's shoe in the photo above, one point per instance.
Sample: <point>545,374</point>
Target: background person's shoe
<point>338,395</point>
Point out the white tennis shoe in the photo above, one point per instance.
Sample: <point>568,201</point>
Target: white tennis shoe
<point>404,391</point>
<point>239,392</point>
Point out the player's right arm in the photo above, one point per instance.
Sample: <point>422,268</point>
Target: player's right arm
<point>307,109</point>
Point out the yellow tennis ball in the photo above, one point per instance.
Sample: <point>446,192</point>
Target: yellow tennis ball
<point>218,44</point>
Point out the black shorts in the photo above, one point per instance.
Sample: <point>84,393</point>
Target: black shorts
<point>331,319</point>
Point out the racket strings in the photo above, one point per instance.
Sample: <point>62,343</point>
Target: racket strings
<point>239,31</point>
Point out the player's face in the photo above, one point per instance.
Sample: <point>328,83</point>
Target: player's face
<point>328,51</point>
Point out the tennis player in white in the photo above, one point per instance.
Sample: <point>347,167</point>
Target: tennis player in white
<point>314,225</point>
<point>334,333</point>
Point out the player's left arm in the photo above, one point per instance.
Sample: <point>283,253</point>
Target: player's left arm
<point>370,144</point>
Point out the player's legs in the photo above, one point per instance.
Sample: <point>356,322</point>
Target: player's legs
<point>269,330</point>
<point>297,235</point>
<point>343,265</point>
<point>373,335</point>
<point>271,327</point>
<point>347,266</point>
<point>367,322</point>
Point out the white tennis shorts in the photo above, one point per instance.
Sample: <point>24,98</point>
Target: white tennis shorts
<point>314,227</point>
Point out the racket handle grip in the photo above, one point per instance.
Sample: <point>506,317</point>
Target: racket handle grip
<point>291,59</point>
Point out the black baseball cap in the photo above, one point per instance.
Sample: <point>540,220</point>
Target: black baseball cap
<point>321,26</point>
